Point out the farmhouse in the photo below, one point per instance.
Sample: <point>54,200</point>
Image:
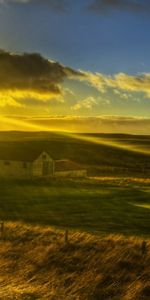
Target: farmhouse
<point>23,164</point>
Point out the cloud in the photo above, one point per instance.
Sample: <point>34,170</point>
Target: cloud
<point>123,82</point>
<point>106,124</point>
<point>122,95</point>
<point>31,76</point>
<point>9,101</point>
<point>134,6</point>
<point>126,96</point>
<point>99,6</point>
<point>96,80</point>
<point>129,83</point>
<point>68,91</point>
<point>98,124</point>
<point>86,103</point>
<point>90,102</point>
<point>56,5</point>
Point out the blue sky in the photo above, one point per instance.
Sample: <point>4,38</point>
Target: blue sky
<point>107,37</point>
<point>111,42</point>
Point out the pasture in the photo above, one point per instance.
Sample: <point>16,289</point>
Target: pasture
<point>100,206</point>
<point>103,206</point>
<point>107,215</point>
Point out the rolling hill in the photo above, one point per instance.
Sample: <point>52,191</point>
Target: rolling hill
<point>102,154</point>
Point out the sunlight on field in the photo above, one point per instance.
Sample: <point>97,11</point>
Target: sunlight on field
<point>109,142</point>
<point>143,205</point>
<point>103,207</point>
<point>22,124</point>
<point>26,125</point>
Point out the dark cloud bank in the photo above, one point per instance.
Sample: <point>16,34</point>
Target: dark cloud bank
<point>56,5</point>
<point>32,72</point>
<point>100,6</point>
<point>103,6</point>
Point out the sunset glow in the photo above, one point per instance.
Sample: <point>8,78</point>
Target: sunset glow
<point>57,72</point>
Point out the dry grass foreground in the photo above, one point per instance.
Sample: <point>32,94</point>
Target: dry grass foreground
<point>35,263</point>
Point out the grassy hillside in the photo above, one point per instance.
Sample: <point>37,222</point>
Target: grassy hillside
<point>37,264</point>
<point>100,154</point>
<point>104,206</point>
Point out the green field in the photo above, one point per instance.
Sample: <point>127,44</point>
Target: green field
<point>110,206</point>
<point>89,205</point>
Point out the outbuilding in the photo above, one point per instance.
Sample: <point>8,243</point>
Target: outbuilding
<point>24,164</point>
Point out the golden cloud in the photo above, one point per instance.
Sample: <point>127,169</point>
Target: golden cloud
<point>104,124</point>
<point>96,80</point>
<point>86,103</point>
<point>121,81</point>
<point>31,76</point>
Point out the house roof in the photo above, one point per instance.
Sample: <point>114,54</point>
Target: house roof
<point>21,153</point>
<point>66,165</point>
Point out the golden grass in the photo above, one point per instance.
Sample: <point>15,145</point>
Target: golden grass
<point>35,263</point>
<point>121,179</point>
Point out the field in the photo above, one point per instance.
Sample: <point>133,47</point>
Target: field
<point>36,264</point>
<point>117,206</point>
<point>107,215</point>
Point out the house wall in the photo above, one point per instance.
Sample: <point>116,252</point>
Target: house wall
<point>43,166</point>
<point>77,173</point>
<point>15,169</point>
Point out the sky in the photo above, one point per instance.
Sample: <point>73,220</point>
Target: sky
<point>79,66</point>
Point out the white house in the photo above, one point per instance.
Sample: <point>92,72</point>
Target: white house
<point>26,165</point>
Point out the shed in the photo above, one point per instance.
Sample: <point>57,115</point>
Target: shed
<point>25,163</point>
<point>22,163</point>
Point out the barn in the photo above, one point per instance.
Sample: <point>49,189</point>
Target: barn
<point>23,164</point>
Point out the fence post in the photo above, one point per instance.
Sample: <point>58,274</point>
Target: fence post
<point>143,248</point>
<point>1,229</point>
<point>66,237</point>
